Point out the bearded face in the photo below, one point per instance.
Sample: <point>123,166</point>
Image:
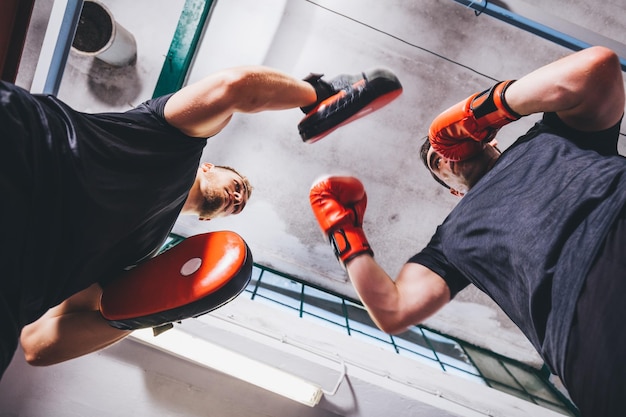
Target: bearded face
<point>213,204</point>
<point>224,191</point>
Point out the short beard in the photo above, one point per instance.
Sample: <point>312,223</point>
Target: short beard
<point>211,205</point>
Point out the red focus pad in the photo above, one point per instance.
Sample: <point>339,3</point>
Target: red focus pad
<point>367,93</point>
<point>198,275</point>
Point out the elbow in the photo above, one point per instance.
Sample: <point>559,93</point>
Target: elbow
<point>39,357</point>
<point>33,361</point>
<point>393,329</point>
<point>602,54</point>
<point>603,69</point>
<point>34,358</point>
<point>399,321</point>
<point>34,349</point>
<point>393,326</point>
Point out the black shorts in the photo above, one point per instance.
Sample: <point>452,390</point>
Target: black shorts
<point>595,369</point>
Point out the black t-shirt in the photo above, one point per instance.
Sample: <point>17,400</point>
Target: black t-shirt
<point>528,231</point>
<point>93,193</point>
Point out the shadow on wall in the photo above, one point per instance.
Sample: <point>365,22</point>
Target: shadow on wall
<point>113,86</point>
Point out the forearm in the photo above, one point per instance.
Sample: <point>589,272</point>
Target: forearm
<point>202,109</point>
<point>259,88</point>
<point>57,338</point>
<point>394,305</point>
<point>378,292</point>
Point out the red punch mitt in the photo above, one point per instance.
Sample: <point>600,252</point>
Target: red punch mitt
<point>198,275</point>
<point>344,99</point>
<point>339,205</point>
<point>460,132</point>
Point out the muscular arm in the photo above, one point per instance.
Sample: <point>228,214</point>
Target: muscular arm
<point>415,295</point>
<point>202,109</point>
<point>586,90</point>
<point>69,330</point>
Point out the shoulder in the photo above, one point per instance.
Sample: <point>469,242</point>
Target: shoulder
<point>432,257</point>
<point>604,141</point>
<point>156,105</point>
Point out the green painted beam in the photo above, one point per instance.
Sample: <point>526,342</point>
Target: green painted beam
<point>183,47</point>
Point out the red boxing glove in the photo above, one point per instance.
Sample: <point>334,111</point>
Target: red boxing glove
<point>339,205</point>
<point>198,275</point>
<point>460,132</point>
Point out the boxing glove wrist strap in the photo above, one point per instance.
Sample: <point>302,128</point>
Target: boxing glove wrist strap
<point>490,106</point>
<point>349,243</point>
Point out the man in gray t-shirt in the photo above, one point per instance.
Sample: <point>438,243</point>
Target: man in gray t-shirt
<point>538,225</point>
<point>537,228</point>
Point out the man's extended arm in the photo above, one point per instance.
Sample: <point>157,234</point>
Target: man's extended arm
<point>339,205</point>
<point>585,89</point>
<point>203,108</point>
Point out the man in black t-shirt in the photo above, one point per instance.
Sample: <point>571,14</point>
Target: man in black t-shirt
<point>91,194</point>
<point>87,195</point>
<point>541,227</point>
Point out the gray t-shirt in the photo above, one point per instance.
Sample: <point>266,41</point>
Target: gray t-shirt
<point>527,233</point>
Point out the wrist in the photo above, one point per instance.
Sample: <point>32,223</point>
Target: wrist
<point>323,90</point>
<point>491,106</point>
<point>501,101</point>
<point>348,243</point>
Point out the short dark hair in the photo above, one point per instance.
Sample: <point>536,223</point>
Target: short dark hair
<point>246,183</point>
<point>424,155</point>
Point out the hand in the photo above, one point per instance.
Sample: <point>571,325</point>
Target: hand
<point>339,205</point>
<point>460,132</point>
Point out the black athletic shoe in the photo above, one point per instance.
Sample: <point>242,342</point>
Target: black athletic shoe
<point>344,99</point>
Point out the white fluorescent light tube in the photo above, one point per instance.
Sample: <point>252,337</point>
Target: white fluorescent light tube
<point>202,352</point>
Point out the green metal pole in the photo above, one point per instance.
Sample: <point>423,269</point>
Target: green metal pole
<point>183,47</point>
